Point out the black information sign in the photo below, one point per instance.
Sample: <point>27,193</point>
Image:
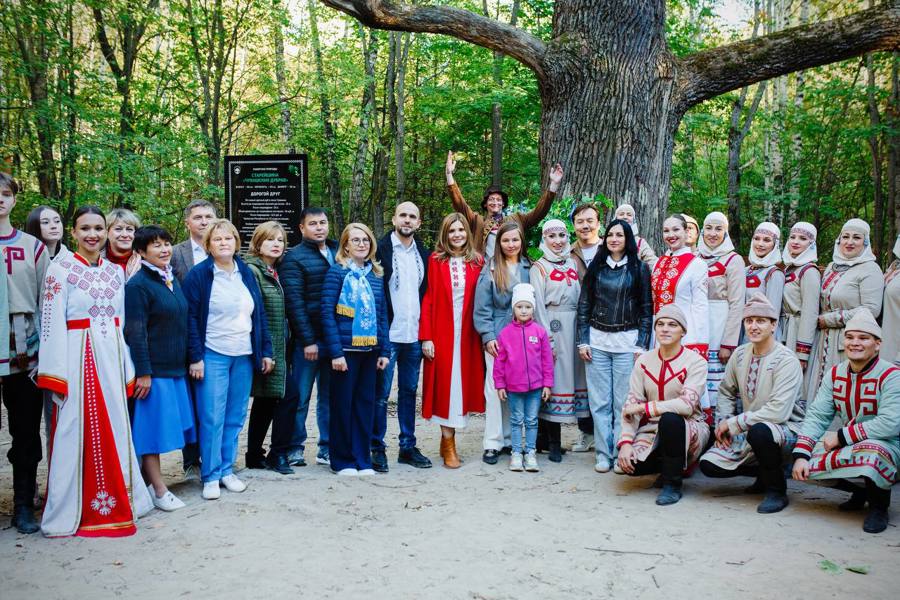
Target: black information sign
<point>268,187</point>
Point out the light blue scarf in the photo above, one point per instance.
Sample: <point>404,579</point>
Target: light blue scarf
<point>357,302</point>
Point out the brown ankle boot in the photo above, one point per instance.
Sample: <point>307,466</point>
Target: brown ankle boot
<point>448,452</point>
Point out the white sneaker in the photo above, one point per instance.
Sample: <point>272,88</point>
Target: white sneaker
<point>515,462</point>
<point>233,484</point>
<point>602,465</point>
<point>366,472</point>
<point>584,444</point>
<point>617,469</point>
<point>531,462</point>
<point>348,472</point>
<point>211,490</point>
<point>168,502</point>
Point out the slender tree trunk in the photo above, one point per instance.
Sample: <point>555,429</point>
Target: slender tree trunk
<point>403,42</point>
<point>367,106</point>
<point>893,145</point>
<point>333,177</point>
<point>797,149</point>
<point>287,134</point>
<point>877,167</point>
<point>384,134</point>
<point>497,108</point>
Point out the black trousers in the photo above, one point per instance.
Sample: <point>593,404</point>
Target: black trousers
<point>670,455</point>
<point>24,404</point>
<point>190,454</point>
<point>549,432</point>
<point>586,425</point>
<point>768,456</point>
<point>877,497</point>
<point>281,413</point>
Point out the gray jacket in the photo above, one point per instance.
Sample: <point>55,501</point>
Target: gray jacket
<point>182,259</point>
<point>493,308</point>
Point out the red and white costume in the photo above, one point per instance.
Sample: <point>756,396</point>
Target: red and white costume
<point>679,278</point>
<point>94,486</point>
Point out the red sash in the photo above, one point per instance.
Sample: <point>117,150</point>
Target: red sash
<point>666,273</point>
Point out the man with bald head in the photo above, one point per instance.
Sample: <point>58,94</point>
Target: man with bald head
<point>405,261</point>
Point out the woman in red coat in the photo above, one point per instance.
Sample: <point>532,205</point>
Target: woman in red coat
<point>453,382</point>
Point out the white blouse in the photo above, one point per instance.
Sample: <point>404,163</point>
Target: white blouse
<point>229,323</point>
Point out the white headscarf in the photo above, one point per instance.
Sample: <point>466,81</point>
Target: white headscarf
<point>856,226</point>
<point>722,249</point>
<point>634,225</point>
<point>810,255</point>
<point>774,255</point>
<point>555,225</point>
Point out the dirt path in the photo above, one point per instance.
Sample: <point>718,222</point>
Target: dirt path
<point>480,532</point>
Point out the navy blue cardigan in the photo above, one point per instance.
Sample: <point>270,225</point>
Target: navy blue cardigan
<point>156,321</point>
<point>198,288</point>
<point>337,330</point>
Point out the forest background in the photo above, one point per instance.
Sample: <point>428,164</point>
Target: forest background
<point>137,102</point>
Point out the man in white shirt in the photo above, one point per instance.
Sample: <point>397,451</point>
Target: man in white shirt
<point>405,262</point>
<point>586,219</point>
<point>198,214</point>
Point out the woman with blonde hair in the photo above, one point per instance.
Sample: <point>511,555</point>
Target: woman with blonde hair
<point>275,395</point>
<point>492,312</point>
<point>121,224</point>
<point>228,339</point>
<point>452,387</point>
<point>355,332</point>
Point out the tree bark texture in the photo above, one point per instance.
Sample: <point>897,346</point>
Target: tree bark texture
<point>367,107</point>
<point>287,134</point>
<point>612,93</point>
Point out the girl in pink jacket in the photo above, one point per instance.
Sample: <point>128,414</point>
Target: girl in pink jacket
<point>523,375</point>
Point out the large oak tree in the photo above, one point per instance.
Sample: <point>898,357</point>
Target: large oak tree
<point>613,93</point>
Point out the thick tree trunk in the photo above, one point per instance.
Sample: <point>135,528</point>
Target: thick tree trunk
<point>611,123</point>
<point>893,138</point>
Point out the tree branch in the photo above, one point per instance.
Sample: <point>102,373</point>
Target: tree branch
<point>709,73</point>
<point>455,22</point>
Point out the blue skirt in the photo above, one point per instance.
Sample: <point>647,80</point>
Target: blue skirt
<point>164,420</point>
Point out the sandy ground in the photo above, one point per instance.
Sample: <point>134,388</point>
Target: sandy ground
<point>479,532</point>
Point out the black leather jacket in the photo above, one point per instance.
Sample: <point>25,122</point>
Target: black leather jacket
<point>608,302</point>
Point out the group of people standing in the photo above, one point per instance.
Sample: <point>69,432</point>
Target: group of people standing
<point>690,359</point>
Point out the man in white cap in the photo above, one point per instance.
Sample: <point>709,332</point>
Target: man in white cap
<point>765,379</point>
<point>863,392</point>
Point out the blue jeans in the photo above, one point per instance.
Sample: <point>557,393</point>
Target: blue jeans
<point>222,398</point>
<point>408,359</point>
<point>306,373</point>
<point>523,410</point>
<point>608,375</point>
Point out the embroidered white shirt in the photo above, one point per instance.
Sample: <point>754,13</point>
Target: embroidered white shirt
<point>404,285</point>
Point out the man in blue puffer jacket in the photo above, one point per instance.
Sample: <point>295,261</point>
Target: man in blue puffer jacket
<point>302,272</point>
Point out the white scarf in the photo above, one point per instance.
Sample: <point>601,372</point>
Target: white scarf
<point>774,256</point>
<point>555,225</point>
<point>722,249</point>
<point>810,255</point>
<point>857,226</point>
<point>633,223</point>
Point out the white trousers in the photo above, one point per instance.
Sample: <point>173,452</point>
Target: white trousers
<point>496,413</point>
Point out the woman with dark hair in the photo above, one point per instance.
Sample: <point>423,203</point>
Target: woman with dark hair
<point>493,311</point>
<point>94,488</point>
<point>615,311</point>
<point>45,223</point>
<point>156,314</point>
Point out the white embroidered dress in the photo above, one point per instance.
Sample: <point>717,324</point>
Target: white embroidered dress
<point>95,486</point>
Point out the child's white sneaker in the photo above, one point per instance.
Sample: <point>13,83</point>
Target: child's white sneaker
<point>515,462</point>
<point>531,462</point>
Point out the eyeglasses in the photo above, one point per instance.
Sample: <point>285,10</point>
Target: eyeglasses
<point>359,241</point>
